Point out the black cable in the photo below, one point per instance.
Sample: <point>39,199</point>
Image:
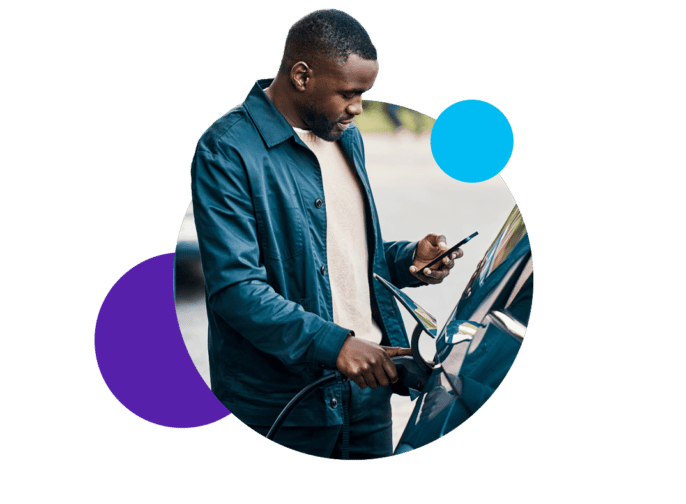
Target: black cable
<point>322,382</point>
<point>345,449</point>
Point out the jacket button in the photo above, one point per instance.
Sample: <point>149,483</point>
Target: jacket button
<point>323,269</point>
<point>334,403</point>
<point>318,203</point>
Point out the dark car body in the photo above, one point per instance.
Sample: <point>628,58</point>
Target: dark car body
<point>480,340</point>
<point>189,279</point>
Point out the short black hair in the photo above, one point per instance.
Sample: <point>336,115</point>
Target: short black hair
<point>330,34</point>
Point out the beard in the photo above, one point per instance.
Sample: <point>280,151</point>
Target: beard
<point>321,126</point>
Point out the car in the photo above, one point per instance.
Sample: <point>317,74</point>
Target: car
<point>188,274</point>
<point>479,342</point>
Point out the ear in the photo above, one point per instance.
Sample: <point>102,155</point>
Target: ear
<point>301,74</point>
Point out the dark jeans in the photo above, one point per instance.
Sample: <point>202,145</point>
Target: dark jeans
<point>370,430</point>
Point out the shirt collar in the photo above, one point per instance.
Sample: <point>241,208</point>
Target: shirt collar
<point>271,124</point>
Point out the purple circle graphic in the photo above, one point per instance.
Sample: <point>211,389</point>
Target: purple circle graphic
<point>141,353</point>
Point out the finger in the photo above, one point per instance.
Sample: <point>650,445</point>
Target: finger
<point>359,381</point>
<point>419,275</point>
<point>429,273</point>
<point>457,254</point>
<point>370,380</point>
<point>442,245</point>
<point>382,377</point>
<point>439,275</point>
<point>396,351</point>
<point>435,276</point>
<point>427,276</point>
<point>390,373</point>
<point>447,264</point>
<point>436,240</point>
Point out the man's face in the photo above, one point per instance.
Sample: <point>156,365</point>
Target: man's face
<point>335,96</point>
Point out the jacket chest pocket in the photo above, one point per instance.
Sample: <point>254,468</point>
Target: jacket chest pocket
<point>280,223</point>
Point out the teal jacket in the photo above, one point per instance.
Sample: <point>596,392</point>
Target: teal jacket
<point>259,208</point>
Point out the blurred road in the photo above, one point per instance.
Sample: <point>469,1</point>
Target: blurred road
<point>413,197</point>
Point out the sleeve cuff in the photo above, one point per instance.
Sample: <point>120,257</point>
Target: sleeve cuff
<point>328,343</point>
<point>405,260</point>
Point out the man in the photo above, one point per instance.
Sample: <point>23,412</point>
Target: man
<point>289,238</point>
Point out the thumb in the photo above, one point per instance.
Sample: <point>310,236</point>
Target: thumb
<point>396,351</point>
<point>437,240</point>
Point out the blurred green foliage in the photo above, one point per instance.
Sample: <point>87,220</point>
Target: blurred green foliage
<point>374,119</point>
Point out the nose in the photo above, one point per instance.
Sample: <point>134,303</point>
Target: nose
<point>355,106</point>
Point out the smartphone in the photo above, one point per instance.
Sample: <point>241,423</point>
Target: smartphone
<point>452,249</point>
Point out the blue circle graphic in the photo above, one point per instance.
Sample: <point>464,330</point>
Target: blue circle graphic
<point>472,141</point>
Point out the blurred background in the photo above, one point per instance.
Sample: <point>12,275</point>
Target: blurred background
<point>413,198</point>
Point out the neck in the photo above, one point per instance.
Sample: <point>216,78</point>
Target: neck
<point>280,94</point>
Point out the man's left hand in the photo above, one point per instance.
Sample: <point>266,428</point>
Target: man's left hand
<point>432,246</point>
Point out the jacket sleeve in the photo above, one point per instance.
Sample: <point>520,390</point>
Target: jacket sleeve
<point>236,281</point>
<point>399,257</point>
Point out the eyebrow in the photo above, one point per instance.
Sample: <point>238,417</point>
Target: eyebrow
<point>356,91</point>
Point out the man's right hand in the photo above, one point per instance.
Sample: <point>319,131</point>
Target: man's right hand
<point>368,364</point>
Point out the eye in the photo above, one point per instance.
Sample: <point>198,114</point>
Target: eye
<point>349,95</point>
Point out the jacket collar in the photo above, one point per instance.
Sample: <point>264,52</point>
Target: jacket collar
<point>271,124</point>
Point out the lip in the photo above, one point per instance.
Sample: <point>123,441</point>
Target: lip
<point>343,125</point>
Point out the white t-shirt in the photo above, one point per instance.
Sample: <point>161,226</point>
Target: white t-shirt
<point>346,238</point>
